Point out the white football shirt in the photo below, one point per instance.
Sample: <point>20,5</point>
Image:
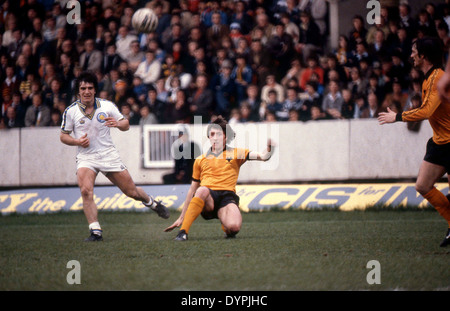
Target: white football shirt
<point>76,121</point>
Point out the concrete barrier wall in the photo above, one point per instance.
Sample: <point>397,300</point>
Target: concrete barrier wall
<point>312,151</point>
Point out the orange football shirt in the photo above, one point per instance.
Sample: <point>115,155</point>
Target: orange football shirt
<point>220,171</point>
<point>437,113</point>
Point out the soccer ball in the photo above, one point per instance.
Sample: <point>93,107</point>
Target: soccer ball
<point>144,20</point>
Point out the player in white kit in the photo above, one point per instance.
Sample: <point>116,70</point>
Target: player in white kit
<point>86,124</point>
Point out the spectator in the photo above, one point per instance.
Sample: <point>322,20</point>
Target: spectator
<point>281,49</point>
<point>242,75</point>
<point>374,87</point>
<point>55,118</point>
<point>378,48</point>
<point>150,69</point>
<point>156,105</point>
<point>202,100</point>
<point>272,84</point>
<point>241,17</point>
<point>294,115</point>
<point>54,94</point>
<point>263,28</point>
<point>272,106</point>
<point>91,59</point>
<point>309,98</point>
<point>123,42</point>
<point>139,89</point>
<point>129,114</point>
<point>360,106</point>
<point>135,56</point>
<point>11,83</point>
<point>317,114</point>
<point>224,89</point>
<point>373,108</point>
<point>313,67</point>
<point>358,33</point>
<point>333,101</point>
<point>147,116</point>
<point>309,42</point>
<point>397,95</point>
<point>216,32</point>
<point>348,105</point>
<point>253,101</point>
<point>291,102</point>
<point>37,114</point>
<point>406,20</point>
<point>260,61</point>
<point>178,111</point>
<point>111,59</point>
<point>356,84</point>
<point>11,120</point>
<point>343,53</point>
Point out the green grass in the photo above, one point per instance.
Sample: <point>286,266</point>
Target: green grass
<point>275,251</point>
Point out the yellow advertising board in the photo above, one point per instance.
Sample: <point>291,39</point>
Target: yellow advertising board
<point>345,197</point>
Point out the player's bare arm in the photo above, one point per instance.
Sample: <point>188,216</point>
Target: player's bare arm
<point>387,117</point>
<point>67,139</point>
<point>265,155</point>
<point>122,124</point>
<point>192,189</point>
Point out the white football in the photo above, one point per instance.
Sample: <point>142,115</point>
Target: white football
<point>144,20</point>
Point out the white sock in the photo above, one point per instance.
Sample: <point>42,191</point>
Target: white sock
<point>150,203</point>
<point>95,227</point>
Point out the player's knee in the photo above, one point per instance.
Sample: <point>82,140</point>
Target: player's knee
<point>86,192</point>
<point>202,193</point>
<point>233,228</point>
<point>422,189</point>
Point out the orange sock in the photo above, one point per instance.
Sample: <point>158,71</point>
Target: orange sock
<point>194,210</point>
<point>439,202</point>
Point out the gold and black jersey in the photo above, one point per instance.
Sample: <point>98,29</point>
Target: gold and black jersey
<point>437,113</point>
<point>220,171</point>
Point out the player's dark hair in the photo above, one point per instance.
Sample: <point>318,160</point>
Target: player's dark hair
<point>87,77</point>
<point>431,49</point>
<point>221,123</point>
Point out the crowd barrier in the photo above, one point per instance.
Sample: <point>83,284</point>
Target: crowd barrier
<point>306,152</point>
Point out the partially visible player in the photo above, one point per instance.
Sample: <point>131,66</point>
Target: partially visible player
<point>427,56</point>
<point>90,119</point>
<point>443,84</point>
<point>213,189</point>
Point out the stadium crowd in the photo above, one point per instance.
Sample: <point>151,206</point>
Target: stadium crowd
<point>248,60</point>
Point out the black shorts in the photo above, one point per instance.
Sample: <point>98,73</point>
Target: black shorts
<point>438,154</point>
<point>221,198</point>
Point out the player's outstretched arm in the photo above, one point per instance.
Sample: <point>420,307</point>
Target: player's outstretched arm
<point>387,117</point>
<point>122,124</point>
<point>192,189</point>
<point>266,154</point>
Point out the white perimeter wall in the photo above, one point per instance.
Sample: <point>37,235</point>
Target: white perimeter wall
<point>311,151</point>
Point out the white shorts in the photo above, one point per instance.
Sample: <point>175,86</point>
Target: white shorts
<point>105,163</point>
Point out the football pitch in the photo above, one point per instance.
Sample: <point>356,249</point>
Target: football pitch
<point>324,250</point>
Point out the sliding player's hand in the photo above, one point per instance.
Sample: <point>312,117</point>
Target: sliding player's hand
<point>176,224</point>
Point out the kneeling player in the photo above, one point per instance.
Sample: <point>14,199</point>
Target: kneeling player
<point>213,189</point>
